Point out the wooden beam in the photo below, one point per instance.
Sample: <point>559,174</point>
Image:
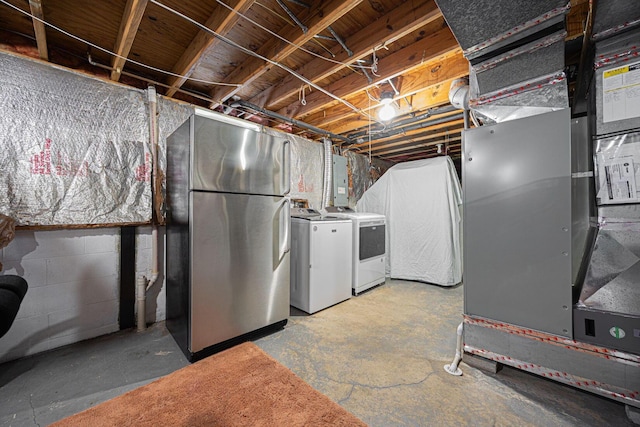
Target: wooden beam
<point>401,21</point>
<point>133,12</point>
<point>433,140</point>
<point>401,62</point>
<point>221,22</point>
<point>416,135</point>
<point>432,78</point>
<point>431,97</point>
<point>427,152</point>
<point>324,15</point>
<point>38,28</point>
<point>390,145</point>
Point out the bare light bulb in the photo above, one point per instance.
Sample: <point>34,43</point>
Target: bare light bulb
<point>386,112</point>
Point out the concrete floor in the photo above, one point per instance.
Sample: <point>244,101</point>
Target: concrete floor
<point>379,355</point>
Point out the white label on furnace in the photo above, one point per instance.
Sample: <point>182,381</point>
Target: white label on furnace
<point>621,93</point>
<point>342,190</point>
<point>620,180</point>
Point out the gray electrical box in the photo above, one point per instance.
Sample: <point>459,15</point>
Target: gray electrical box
<point>340,181</point>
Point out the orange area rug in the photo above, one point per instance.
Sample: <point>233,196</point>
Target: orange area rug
<point>241,386</point>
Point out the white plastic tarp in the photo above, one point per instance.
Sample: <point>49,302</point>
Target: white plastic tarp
<point>422,201</point>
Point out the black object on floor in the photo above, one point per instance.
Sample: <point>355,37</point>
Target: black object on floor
<point>12,292</point>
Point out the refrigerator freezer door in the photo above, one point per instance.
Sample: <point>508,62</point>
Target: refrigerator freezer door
<point>235,159</point>
<point>239,265</point>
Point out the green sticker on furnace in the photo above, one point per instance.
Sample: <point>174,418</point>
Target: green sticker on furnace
<point>617,332</point>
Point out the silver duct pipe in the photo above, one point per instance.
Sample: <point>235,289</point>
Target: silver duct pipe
<point>405,122</point>
<point>416,126</point>
<point>298,123</point>
<point>328,172</point>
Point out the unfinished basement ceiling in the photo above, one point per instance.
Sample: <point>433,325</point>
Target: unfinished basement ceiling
<point>324,72</point>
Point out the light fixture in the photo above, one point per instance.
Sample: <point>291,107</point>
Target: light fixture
<point>387,111</point>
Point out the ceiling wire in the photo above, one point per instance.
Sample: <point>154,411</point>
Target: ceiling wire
<point>231,42</point>
<point>257,55</point>
<point>107,51</point>
<point>285,40</point>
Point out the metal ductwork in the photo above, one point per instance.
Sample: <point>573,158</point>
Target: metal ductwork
<point>273,114</point>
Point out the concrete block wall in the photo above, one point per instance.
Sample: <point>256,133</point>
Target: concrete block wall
<point>73,295</point>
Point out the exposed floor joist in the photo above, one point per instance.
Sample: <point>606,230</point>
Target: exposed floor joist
<point>133,13</point>
<point>422,89</point>
<point>38,28</point>
<point>389,67</point>
<point>396,24</point>
<point>221,22</point>
<point>252,68</point>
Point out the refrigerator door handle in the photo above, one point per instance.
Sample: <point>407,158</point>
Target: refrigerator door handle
<point>284,231</point>
<point>286,154</point>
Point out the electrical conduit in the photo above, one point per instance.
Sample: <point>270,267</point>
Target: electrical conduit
<point>328,172</point>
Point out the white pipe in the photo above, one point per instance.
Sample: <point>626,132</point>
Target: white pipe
<point>153,134</point>
<point>453,368</point>
<point>154,257</point>
<point>459,93</point>
<point>141,284</point>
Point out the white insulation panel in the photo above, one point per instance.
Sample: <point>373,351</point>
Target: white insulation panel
<point>75,150</point>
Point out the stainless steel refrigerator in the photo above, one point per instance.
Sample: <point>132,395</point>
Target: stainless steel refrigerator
<point>228,232</point>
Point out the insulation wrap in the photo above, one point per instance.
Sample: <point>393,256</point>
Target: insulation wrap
<point>541,57</point>
<point>537,96</point>
<point>306,173</point>
<point>171,115</point>
<point>75,149</point>
<point>483,26</point>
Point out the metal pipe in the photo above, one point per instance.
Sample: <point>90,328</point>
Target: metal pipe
<point>286,119</point>
<point>413,127</point>
<point>432,112</point>
<point>339,40</point>
<point>328,172</point>
<point>366,74</point>
<point>293,16</point>
<point>147,80</point>
<point>320,36</point>
<point>299,3</point>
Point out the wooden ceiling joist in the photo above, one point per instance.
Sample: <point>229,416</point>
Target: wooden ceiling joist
<point>424,88</point>
<point>252,68</point>
<point>404,19</point>
<point>38,28</point>
<point>221,22</point>
<point>453,139</point>
<point>404,60</point>
<point>418,140</point>
<point>131,18</point>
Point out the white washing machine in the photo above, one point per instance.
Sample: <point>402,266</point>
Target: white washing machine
<point>321,250</point>
<point>369,249</point>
